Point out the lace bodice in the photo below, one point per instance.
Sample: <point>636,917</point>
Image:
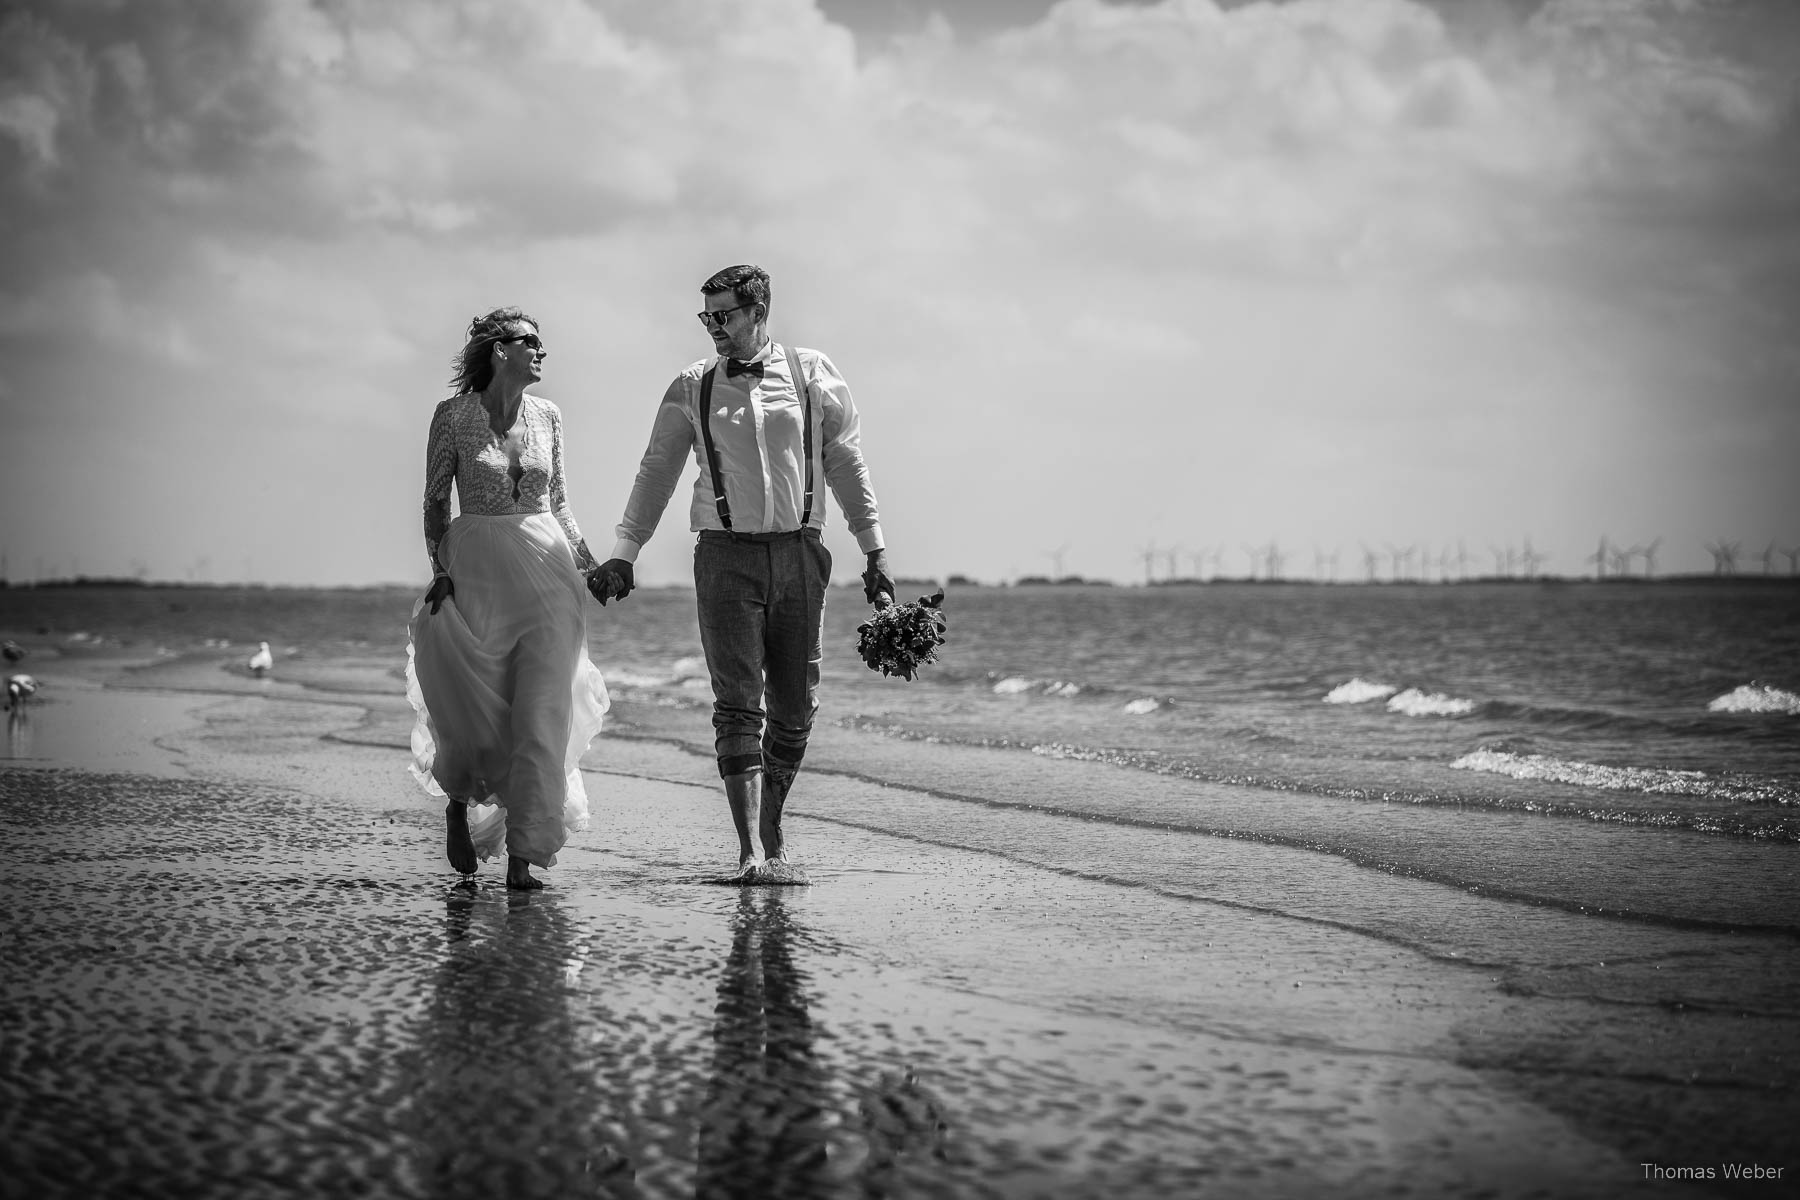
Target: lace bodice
<point>462,447</point>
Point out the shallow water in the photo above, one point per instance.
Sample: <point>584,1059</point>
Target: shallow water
<point>1619,956</point>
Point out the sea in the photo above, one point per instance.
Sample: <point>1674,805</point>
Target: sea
<point>1587,792</point>
<point>1518,715</point>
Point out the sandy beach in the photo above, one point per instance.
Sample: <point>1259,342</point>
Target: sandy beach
<point>238,965</point>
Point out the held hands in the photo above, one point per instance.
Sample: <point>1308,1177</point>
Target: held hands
<point>441,590</point>
<point>878,585</point>
<point>612,579</point>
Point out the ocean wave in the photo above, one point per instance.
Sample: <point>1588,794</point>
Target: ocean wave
<point>1142,705</point>
<point>1014,685</point>
<point>1415,703</point>
<point>1781,826</point>
<point>1661,781</point>
<point>1756,698</point>
<point>1358,691</point>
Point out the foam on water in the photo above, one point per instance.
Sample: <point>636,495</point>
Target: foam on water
<point>1415,703</point>
<point>1756,698</point>
<point>1015,685</point>
<point>1358,691</point>
<point>1654,780</point>
<point>1142,705</point>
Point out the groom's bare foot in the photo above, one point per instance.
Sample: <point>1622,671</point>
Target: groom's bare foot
<point>459,847</point>
<point>519,877</point>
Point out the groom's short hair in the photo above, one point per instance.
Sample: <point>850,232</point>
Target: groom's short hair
<point>747,284</point>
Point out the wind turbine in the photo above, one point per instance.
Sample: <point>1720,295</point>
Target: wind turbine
<point>1502,560</point>
<point>1649,553</point>
<point>1394,562</point>
<point>1599,559</point>
<point>1621,557</point>
<point>1792,554</point>
<point>1173,554</point>
<point>1273,555</point>
<point>1056,560</point>
<point>1371,562</point>
<point>1148,554</point>
<point>1725,556</point>
<point>1254,554</point>
<point>1768,559</point>
<point>1532,559</point>
<point>1462,561</point>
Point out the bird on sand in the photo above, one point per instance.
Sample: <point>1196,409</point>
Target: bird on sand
<point>12,650</point>
<point>262,660</point>
<point>19,688</point>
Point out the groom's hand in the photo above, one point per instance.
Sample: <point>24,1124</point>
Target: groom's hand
<point>877,583</point>
<point>612,579</point>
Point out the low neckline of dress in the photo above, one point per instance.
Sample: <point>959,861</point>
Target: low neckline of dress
<point>515,466</point>
<point>517,421</point>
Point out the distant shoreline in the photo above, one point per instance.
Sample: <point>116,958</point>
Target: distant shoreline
<point>84,582</point>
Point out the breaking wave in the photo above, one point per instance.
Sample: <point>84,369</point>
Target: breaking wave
<point>1756,698</point>
<point>1359,691</point>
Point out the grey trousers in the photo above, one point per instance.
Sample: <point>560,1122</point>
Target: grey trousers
<point>761,600</point>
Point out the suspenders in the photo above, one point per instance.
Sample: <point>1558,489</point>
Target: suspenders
<point>712,455</point>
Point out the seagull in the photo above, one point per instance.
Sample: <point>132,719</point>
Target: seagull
<point>12,650</point>
<point>18,687</point>
<point>262,660</point>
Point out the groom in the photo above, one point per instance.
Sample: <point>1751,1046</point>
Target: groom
<point>763,420</point>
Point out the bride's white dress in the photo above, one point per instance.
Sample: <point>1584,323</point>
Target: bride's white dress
<point>506,696</point>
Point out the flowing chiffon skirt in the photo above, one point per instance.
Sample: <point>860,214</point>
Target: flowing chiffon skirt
<point>506,696</point>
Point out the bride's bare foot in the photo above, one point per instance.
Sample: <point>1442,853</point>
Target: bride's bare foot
<point>519,877</point>
<point>458,846</point>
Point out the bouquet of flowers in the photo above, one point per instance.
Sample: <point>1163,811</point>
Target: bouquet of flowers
<point>901,638</point>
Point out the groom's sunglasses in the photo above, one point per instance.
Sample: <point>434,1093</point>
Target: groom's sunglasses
<point>716,318</point>
<point>529,339</point>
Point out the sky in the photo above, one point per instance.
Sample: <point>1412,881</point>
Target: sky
<point>1335,276</point>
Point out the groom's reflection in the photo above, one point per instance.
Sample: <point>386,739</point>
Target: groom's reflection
<point>774,1123</point>
<point>508,1103</point>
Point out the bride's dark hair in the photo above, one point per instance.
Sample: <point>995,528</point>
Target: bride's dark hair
<point>473,367</point>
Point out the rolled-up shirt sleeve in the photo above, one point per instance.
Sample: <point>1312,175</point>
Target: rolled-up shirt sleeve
<point>840,428</point>
<point>671,442</point>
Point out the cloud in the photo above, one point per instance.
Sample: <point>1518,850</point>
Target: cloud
<point>1321,209</point>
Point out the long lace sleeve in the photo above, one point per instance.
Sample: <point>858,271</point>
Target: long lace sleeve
<point>559,496</point>
<point>440,471</point>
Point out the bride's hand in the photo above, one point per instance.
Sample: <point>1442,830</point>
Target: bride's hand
<point>441,590</point>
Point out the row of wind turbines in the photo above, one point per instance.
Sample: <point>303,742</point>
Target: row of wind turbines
<point>1419,563</point>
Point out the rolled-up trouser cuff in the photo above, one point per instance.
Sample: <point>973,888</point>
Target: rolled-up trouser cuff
<point>779,751</point>
<point>738,764</point>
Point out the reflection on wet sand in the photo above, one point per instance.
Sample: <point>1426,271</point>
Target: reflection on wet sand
<point>507,1101</point>
<point>18,732</point>
<point>773,1122</point>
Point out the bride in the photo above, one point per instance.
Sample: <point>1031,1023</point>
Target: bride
<point>497,669</point>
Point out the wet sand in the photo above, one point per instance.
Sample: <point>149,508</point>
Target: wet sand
<point>237,965</point>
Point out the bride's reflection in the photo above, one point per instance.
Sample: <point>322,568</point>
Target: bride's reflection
<point>775,1122</point>
<point>508,1103</point>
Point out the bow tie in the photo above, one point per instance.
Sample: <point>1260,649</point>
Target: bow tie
<point>737,366</point>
